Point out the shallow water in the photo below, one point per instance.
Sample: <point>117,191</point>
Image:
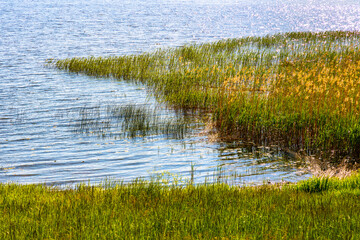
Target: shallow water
<point>39,106</point>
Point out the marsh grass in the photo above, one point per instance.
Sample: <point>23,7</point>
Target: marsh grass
<point>318,208</point>
<point>132,121</point>
<point>300,90</point>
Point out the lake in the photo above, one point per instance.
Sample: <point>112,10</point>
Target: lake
<point>41,108</point>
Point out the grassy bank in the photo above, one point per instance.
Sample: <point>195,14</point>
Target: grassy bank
<point>300,91</point>
<point>318,208</point>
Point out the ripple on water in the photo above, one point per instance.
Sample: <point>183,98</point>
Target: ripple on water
<point>39,106</point>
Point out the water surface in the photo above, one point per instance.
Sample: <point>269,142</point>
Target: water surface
<point>39,106</point>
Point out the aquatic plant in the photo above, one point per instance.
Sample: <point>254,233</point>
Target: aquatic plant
<point>131,121</point>
<point>297,90</point>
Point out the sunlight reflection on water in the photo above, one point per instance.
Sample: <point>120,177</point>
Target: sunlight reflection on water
<point>38,105</point>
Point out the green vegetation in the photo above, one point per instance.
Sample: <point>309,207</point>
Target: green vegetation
<point>299,91</point>
<point>131,121</point>
<point>318,208</point>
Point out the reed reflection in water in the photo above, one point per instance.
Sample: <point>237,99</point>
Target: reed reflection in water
<point>236,162</point>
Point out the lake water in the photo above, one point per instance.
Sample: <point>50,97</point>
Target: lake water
<point>39,107</point>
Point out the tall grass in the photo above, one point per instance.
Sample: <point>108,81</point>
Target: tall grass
<point>318,208</point>
<point>299,90</point>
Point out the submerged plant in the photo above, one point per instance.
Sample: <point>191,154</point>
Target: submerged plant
<point>130,121</point>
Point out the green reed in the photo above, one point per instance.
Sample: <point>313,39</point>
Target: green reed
<point>132,121</point>
<point>296,90</point>
<point>318,208</point>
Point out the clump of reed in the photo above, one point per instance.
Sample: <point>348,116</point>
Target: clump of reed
<point>296,90</point>
<point>319,208</point>
<point>348,184</point>
<point>131,121</point>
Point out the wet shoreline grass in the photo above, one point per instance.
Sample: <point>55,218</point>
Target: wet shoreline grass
<point>299,91</point>
<point>317,208</point>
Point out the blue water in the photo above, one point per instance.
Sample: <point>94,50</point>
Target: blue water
<point>38,105</point>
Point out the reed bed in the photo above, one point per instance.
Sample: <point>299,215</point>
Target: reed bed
<point>318,208</point>
<point>299,91</point>
<point>133,122</point>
